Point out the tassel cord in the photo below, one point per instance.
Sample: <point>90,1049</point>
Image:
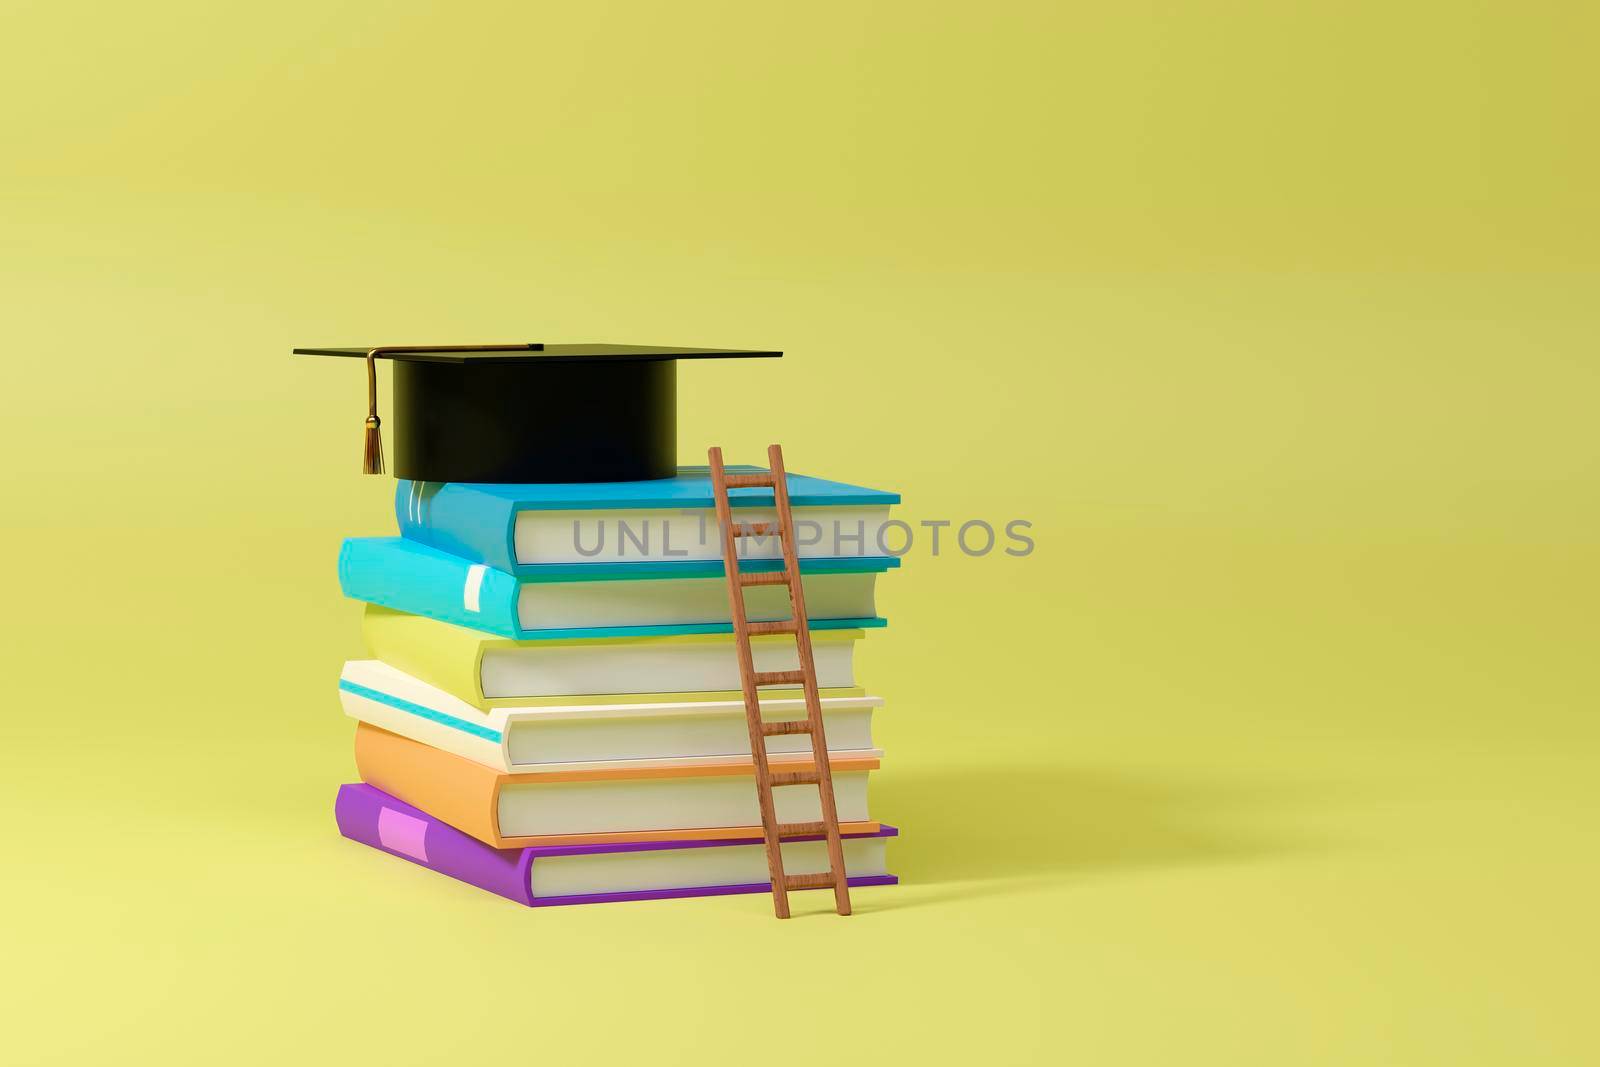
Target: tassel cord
<point>372,440</point>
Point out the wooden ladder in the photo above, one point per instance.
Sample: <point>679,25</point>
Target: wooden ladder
<point>820,775</point>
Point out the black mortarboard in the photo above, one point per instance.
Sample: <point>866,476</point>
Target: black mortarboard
<point>529,412</point>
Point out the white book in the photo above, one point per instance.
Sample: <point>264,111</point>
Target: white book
<point>592,735</point>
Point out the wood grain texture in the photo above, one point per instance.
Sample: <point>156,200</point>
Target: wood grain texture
<point>819,774</point>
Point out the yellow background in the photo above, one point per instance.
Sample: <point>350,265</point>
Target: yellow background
<point>1277,320</point>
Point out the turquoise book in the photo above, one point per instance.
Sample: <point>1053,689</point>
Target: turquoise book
<point>578,600</point>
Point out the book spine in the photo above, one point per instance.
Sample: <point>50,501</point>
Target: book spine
<point>462,793</point>
<point>367,815</point>
<point>446,657</point>
<point>457,520</point>
<point>395,573</point>
<point>474,739</point>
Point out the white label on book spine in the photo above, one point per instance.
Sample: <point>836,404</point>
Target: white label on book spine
<point>469,591</point>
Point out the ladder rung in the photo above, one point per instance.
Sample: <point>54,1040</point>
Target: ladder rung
<point>748,481</point>
<point>795,778</point>
<point>763,578</point>
<point>796,829</point>
<point>809,881</point>
<point>778,677</point>
<point>782,626</point>
<point>756,529</point>
<point>792,726</point>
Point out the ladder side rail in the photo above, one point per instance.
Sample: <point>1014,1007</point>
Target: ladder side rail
<point>808,667</point>
<point>747,682</point>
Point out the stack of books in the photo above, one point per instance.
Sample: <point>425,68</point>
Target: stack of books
<point>551,709</point>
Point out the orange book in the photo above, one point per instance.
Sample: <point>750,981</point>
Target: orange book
<point>670,802</point>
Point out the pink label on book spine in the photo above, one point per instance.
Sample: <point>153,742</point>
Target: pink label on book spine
<point>402,833</point>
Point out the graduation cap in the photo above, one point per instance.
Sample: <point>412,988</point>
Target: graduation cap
<point>529,412</point>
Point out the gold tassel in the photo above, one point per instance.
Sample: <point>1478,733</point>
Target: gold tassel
<point>372,443</point>
<point>372,448</point>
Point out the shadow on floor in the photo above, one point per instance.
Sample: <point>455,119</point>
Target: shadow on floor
<point>1041,823</point>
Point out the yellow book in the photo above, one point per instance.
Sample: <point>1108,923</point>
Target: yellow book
<point>487,671</point>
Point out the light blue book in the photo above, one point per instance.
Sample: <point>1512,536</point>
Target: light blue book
<point>579,600</point>
<point>669,522</point>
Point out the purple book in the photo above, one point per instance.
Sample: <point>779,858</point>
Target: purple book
<point>547,875</point>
